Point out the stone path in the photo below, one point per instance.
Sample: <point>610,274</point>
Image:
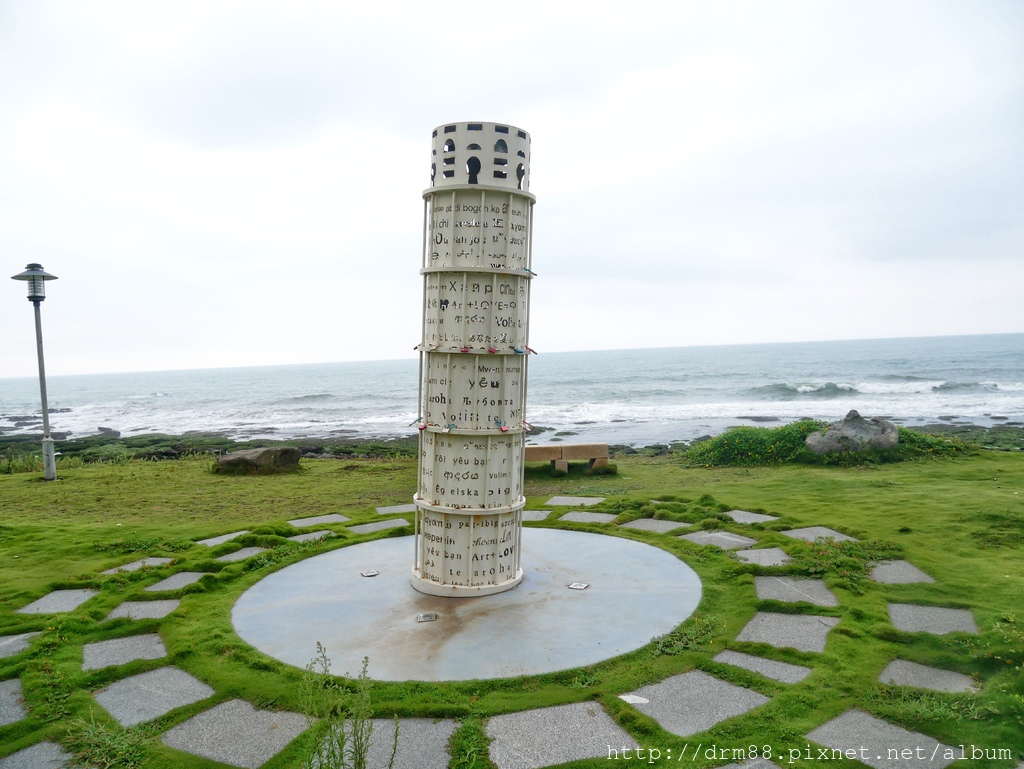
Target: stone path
<point>779,671</point>
<point>58,601</point>
<point>811,533</point>
<point>878,743</point>
<point>794,590</point>
<point>694,702</point>
<point>11,710</point>
<point>137,565</point>
<point>742,516</point>
<point>533,739</point>
<point>121,651</point>
<point>583,517</point>
<point>803,632</point>
<point>723,539</point>
<point>769,556</point>
<point>898,573</point>
<point>652,524</point>
<point>236,733</point>
<point>143,697</point>
<point>906,673</point>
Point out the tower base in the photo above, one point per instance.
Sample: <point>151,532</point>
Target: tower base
<point>429,587</point>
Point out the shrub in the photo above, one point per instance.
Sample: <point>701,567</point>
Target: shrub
<point>751,446</point>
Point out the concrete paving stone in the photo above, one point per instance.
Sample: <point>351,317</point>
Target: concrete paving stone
<point>652,524</point>
<point>579,516</point>
<point>742,516</point>
<point>768,556</point>
<point>143,697</point>
<point>533,739</point>
<point>694,702</point>
<point>319,520</point>
<point>573,501</point>
<point>931,619</point>
<point>907,673</point>
<point>812,533</point>
<point>422,743</point>
<point>898,573</point>
<point>176,581</point>
<point>136,565</point>
<point>58,601</point>
<point>309,536</point>
<point>235,733</point>
<point>15,644</point>
<point>367,528</point>
<point>145,609</point>
<point>778,671</point>
<point>241,555</point>
<point>878,743</point>
<point>753,763</point>
<point>387,510</point>
<point>723,539</point>
<point>803,632</point>
<point>11,710</point>
<point>794,590</point>
<point>121,651</point>
<point>214,541</point>
<point>535,515</point>
<point>42,755</point>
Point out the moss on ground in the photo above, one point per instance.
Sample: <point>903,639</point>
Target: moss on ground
<point>960,519</point>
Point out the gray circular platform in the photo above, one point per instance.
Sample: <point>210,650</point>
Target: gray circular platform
<point>636,591</point>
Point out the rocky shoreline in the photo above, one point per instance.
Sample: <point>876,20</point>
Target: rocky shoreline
<point>109,444</point>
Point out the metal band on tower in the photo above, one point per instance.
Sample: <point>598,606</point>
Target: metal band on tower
<point>477,268</point>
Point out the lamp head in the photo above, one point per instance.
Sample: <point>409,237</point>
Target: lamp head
<point>36,277</point>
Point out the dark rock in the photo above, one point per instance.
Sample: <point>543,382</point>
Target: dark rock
<point>109,432</point>
<point>265,460</point>
<point>853,433</point>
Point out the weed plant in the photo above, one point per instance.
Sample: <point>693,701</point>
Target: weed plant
<point>340,721</point>
<point>103,745</point>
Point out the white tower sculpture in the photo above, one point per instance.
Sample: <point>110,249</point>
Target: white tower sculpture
<point>476,269</point>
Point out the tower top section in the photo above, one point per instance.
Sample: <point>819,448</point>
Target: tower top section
<point>487,154</point>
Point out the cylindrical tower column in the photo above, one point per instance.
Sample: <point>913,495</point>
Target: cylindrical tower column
<point>477,268</point>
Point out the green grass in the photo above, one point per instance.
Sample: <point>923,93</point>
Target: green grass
<point>960,519</point>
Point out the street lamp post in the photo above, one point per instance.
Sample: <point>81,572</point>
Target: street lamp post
<point>36,277</point>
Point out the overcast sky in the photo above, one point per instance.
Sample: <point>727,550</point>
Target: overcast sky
<point>240,183</point>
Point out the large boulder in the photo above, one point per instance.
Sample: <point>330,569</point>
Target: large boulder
<point>853,433</point>
<point>266,460</point>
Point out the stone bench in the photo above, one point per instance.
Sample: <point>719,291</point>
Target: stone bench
<point>596,454</point>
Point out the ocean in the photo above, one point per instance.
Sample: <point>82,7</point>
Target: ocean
<point>634,397</point>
